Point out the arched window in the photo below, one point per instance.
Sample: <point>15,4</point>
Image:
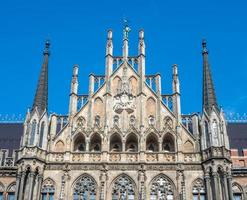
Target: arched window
<point>237,191</point>
<point>152,144</point>
<point>41,134</point>
<point>168,143</point>
<point>198,190</point>
<point>123,188</point>
<point>95,142</point>
<point>85,188</point>
<point>79,143</point>
<point>161,188</point>
<point>131,143</point>
<point>33,131</point>
<point>1,191</point>
<point>48,189</point>
<point>116,143</point>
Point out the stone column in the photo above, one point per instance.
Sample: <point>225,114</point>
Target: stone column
<point>21,188</point>
<point>40,180</point>
<point>30,189</point>
<point>18,180</point>
<point>208,187</point>
<point>216,185</point>
<point>229,183</point>
<point>225,185</point>
<point>87,144</point>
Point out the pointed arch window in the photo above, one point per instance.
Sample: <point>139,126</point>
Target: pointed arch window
<point>42,129</point>
<point>161,188</point>
<point>85,188</point>
<point>48,190</point>
<point>95,143</point>
<point>123,188</point>
<point>237,191</point>
<point>152,144</point>
<point>33,131</point>
<point>198,190</point>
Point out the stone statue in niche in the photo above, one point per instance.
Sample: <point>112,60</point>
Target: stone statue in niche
<point>124,100</point>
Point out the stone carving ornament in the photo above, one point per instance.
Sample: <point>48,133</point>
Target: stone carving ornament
<point>124,100</point>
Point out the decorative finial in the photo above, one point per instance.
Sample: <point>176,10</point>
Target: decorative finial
<point>204,46</point>
<point>109,34</point>
<point>47,46</point>
<point>126,29</point>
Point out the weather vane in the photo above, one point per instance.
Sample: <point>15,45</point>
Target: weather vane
<point>126,29</point>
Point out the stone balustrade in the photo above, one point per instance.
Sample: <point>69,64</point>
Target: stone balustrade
<point>216,152</point>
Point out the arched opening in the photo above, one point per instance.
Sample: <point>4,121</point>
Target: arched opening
<point>115,143</point>
<point>152,144</point>
<point>123,188</point>
<point>188,147</point>
<point>79,143</point>
<point>237,191</point>
<point>59,146</point>
<point>168,144</point>
<point>161,188</point>
<point>42,129</point>
<point>48,189</point>
<point>95,143</point>
<point>84,188</point>
<point>131,143</point>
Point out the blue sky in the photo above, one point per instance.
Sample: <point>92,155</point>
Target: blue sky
<point>77,30</point>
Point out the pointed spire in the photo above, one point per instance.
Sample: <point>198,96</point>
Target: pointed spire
<point>41,95</point>
<point>209,97</point>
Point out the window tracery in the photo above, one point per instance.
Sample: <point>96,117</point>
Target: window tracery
<point>48,189</point>
<point>161,188</point>
<point>85,188</point>
<point>123,188</point>
<point>198,190</point>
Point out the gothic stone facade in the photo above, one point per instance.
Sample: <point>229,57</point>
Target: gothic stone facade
<point>124,140</point>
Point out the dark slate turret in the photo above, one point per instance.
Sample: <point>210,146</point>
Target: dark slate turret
<point>209,97</point>
<point>41,95</point>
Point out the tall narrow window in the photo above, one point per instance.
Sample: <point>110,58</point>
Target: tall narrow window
<point>41,134</point>
<point>33,131</point>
